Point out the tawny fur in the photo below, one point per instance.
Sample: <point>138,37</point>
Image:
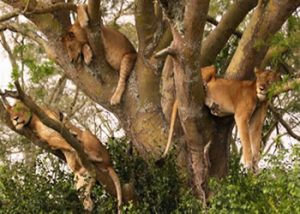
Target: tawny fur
<point>98,154</point>
<point>119,52</point>
<point>247,100</point>
<point>21,116</point>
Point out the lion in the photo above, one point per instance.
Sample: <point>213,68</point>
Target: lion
<point>119,51</point>
<point>21,117</point>
<point>246,100</point>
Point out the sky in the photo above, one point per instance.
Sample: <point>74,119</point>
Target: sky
<point>5,69</point>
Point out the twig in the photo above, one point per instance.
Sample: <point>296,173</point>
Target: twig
<point>283,123</point>
<point>58,89</point>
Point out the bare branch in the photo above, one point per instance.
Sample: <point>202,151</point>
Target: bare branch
<point>283,123</point>
<point>9,52</point>
<point>49,9</point>
<point>24,29</point>
<point>164,52</point>
<point>58,90</point>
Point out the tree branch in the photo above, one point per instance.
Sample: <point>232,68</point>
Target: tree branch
<point>58,90</point>
<point>214,22</point>
<point>49,9</point>
<point>266,20</point>
<point>164,52</point>
<point>24,30</point>
<point>218,38</point>
<point>283,123</point>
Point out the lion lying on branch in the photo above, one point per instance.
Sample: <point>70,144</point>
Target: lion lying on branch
<point>22,117</point>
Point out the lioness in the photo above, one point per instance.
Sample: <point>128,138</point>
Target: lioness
<point>119,52</point>
<point>21,117</point>
<point>247,100</point>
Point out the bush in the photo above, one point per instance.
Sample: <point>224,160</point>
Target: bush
<point>159,189</point>
<point>275,189</point>
<point>40,189</point>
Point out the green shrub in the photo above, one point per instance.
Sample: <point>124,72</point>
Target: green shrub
<point>159,189</point>
<point>40,189</point>
<point>275,189</point>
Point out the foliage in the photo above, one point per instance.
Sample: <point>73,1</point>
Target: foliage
<point>159,189</point>
<point>40,189</point>
<point>276,189</point>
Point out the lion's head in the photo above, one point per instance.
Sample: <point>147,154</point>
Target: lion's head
<point>264,79</point>
<point>20,115</point>
<point>74,40</point>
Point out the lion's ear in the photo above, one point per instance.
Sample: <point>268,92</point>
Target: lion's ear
<point>87,54</point>
<point>257,71</point>
<point>82,15</point>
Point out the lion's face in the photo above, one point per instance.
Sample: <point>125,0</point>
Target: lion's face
<point>74,41</point>
<point>20,115</point>
<point>264,79</point>
<point>73,46</point>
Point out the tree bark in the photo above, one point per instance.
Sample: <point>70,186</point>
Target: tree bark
<point>266,20</point>
<point>218,38</point>
<point>189,90</point>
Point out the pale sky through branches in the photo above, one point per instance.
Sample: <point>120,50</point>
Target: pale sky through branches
<point>5,71</point>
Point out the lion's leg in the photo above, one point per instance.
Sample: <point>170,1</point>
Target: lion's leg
<point>127,64</point>
<point>256,125</point>
<point>57,142</point>
<point>83,181</point>
<point>242,122</point>
<point>84,184</point>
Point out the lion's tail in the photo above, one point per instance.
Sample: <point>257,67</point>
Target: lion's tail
<point>171,130</point>
<point>112,173</point>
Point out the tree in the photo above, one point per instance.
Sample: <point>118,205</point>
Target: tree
<point>172,28</point>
